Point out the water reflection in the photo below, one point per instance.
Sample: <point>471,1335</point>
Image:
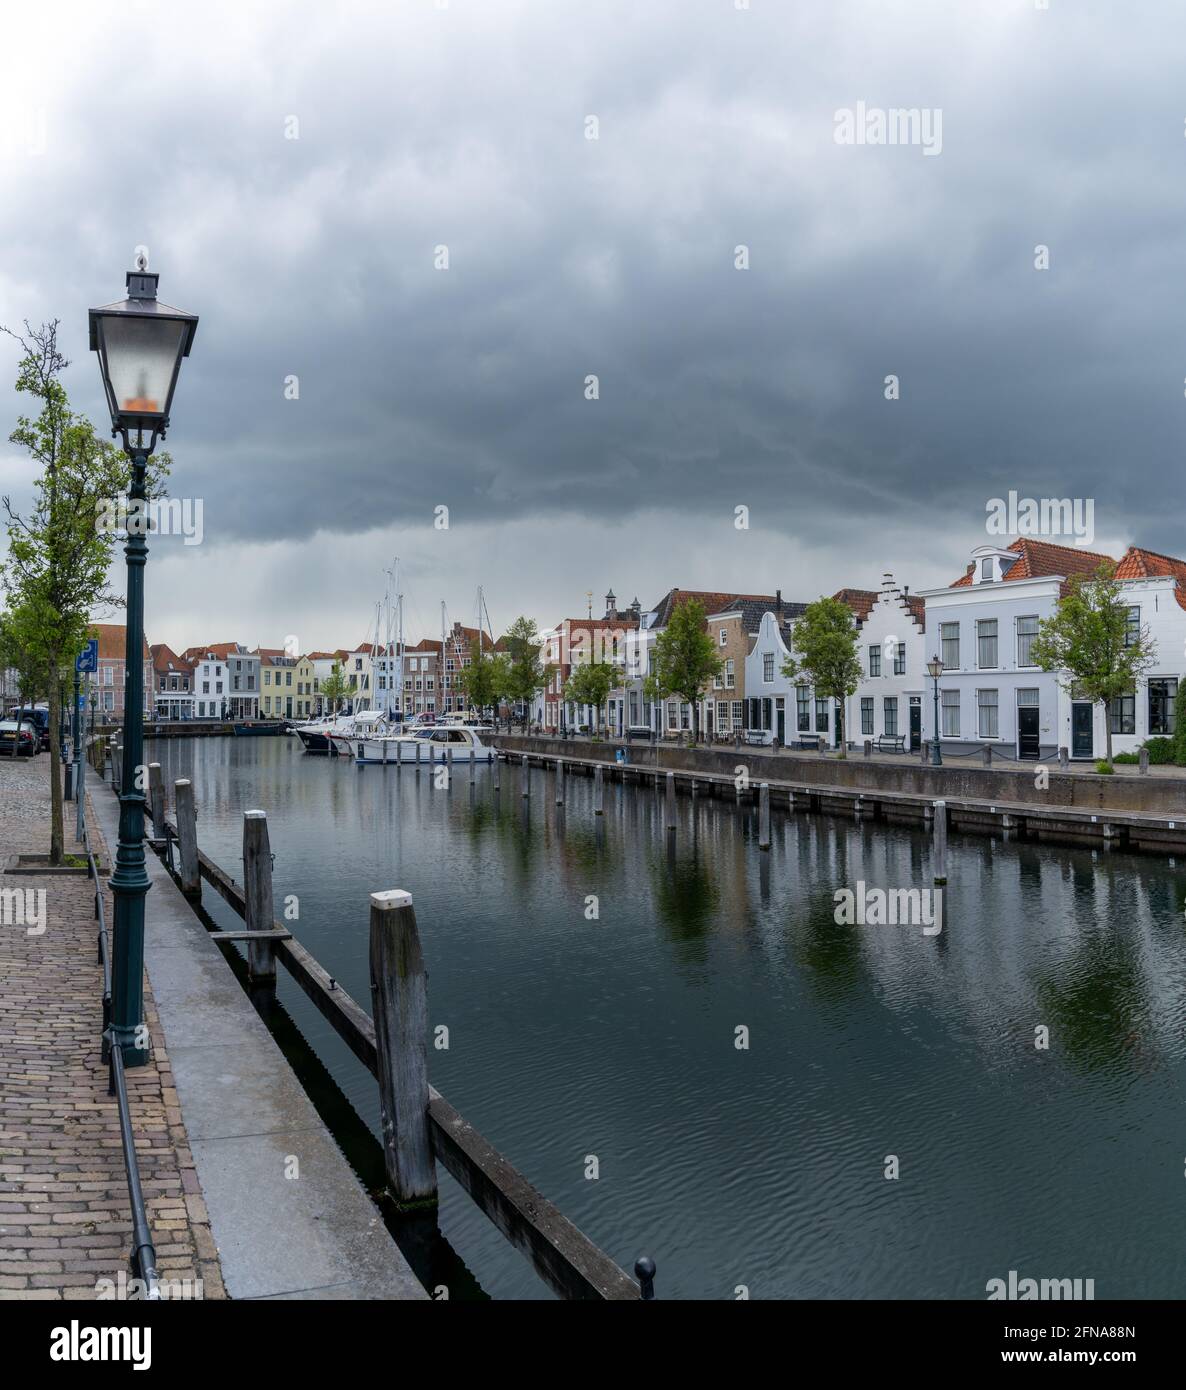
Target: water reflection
<point>615,1034</point>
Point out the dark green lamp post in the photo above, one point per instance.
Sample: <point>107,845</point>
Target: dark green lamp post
<point>140,343</point>
<point>935,670</point>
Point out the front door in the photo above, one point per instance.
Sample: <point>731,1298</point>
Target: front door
<point>780,720</point>
<point>1027,732</point>
<point>1082,719</point>
<point>915,724</point>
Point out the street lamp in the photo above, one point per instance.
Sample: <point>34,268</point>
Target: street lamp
<point>935,670</point>
<point>140,343</point>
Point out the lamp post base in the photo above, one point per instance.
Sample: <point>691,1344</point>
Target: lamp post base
<point>936,755</point>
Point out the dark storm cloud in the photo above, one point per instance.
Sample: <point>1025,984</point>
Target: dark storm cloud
<point>464,127</point>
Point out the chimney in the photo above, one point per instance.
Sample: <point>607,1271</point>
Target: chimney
<point>778,600</point>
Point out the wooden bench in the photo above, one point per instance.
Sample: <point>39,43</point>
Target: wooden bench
<point>890,743</point>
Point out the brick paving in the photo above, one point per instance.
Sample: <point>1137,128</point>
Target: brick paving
<point>65,1221</point>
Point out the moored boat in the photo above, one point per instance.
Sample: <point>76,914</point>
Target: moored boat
<point>430,744</point>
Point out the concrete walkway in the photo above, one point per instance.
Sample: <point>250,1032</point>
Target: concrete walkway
<point>65,1222</point>
<point>288,1215</point>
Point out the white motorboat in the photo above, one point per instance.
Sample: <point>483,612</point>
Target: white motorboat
<point>433,743</point>
<point>323,735</point>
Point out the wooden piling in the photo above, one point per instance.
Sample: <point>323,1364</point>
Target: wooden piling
<point>156,799</point>
<point>399,995</point>
<point>526,775</point>
<point>599,791</point>
<point>940,842</point>
<point>187,839</point>
<point>259,915</point>
<point>764,816</point>
<point>1143,762</point>
<point>670,801</point>
<point>559,782</point>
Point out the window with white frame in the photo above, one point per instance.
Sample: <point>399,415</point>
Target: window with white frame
<point>986,644</point>
<point>724,637</point>
<point>1132,627</point>
<point>949,645</point>
<point>875,661</point>
<point>987,714</point>
<point>730,674</point>
<point>803,708</point>
<point>899,658</point>
<point>891,716</point>
<point>768,667</point>
<point>866,714</point>
<point>1027,630</point>
<point>949,703</point>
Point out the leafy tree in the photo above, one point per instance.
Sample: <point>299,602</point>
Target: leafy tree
<point>335,688</point>
<point>60,552</point>
<point>21,654</point>
<point>484,680</point>
<point>1180,725</point>
<point>684,659</point>
<point>825,655</point>
<point>526,674</point>
<point>590,683</point>
<point>1088,643</point>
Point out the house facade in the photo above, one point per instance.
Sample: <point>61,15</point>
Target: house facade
<point>892,650</point>
<point>991,693</point>
<point>278,683</point>
<point>110,678</point>
<point>1154,587</point>
<point>226,681</point>
<point>172,684</point>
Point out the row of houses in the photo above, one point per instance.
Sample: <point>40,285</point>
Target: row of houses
<point>981,627</point>
<point>229,681</point>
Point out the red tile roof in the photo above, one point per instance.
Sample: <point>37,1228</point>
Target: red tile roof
<point>861,602</point>
<point>1138,563</point>
<point>113,639</point>
<point>1039,559</point>
<point>165,659</point>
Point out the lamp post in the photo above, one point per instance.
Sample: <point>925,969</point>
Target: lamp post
<point>140,342</point>
<point>935,670</point>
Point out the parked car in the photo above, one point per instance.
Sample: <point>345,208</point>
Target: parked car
<point>38,716</point>
<point>23,734</point>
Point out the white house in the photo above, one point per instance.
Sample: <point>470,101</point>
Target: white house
<point>1155,588</point>
<point>981,627</point>
<point>892,652</point>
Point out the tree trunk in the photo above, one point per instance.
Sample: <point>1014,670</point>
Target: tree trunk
<point>55,767</point>
<point>840,728</point>
<point>1107,730</point>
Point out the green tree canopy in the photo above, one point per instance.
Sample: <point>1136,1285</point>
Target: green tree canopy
<point>824,654</point>
<point>335,688</point>
<point>526,674</point>
<point>589,683</point>
<point>1090,644</point>
<point>60,551</point>
<point>484,681</point>
<point>684,659</point>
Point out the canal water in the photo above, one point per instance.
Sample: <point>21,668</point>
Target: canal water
<point>594,979</point>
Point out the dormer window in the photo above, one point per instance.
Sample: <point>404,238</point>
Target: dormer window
<point>986,574</point>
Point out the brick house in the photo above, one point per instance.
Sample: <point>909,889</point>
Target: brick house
<point>172,684</point>
<point>111,677</point>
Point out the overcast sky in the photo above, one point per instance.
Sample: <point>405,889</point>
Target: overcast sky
<point>465,125</point>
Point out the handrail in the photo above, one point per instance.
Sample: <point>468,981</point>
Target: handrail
<point>143,1257</point>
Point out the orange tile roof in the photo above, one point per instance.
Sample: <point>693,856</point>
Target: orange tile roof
<point>1040,559</point>
<point>113,640</point>
<point>1138,563</point>
<point>164,658</point>
<point>861,602</point>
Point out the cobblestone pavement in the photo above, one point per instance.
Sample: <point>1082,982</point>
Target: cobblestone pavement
<point>65,1222</point>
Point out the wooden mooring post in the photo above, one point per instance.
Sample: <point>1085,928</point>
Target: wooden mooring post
<point>559,782</point>
<point>187,839</point>
<point>764,816</point>
<point>669,801</point>
<point>940,842</point>
<point>399,992</point>
<point>598,792</point>
<point>259,910</point>
<point>156,799</point>
<point>526,775</point>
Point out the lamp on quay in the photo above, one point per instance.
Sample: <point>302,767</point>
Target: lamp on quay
<point>935,670</point>
<point>140,343</point>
